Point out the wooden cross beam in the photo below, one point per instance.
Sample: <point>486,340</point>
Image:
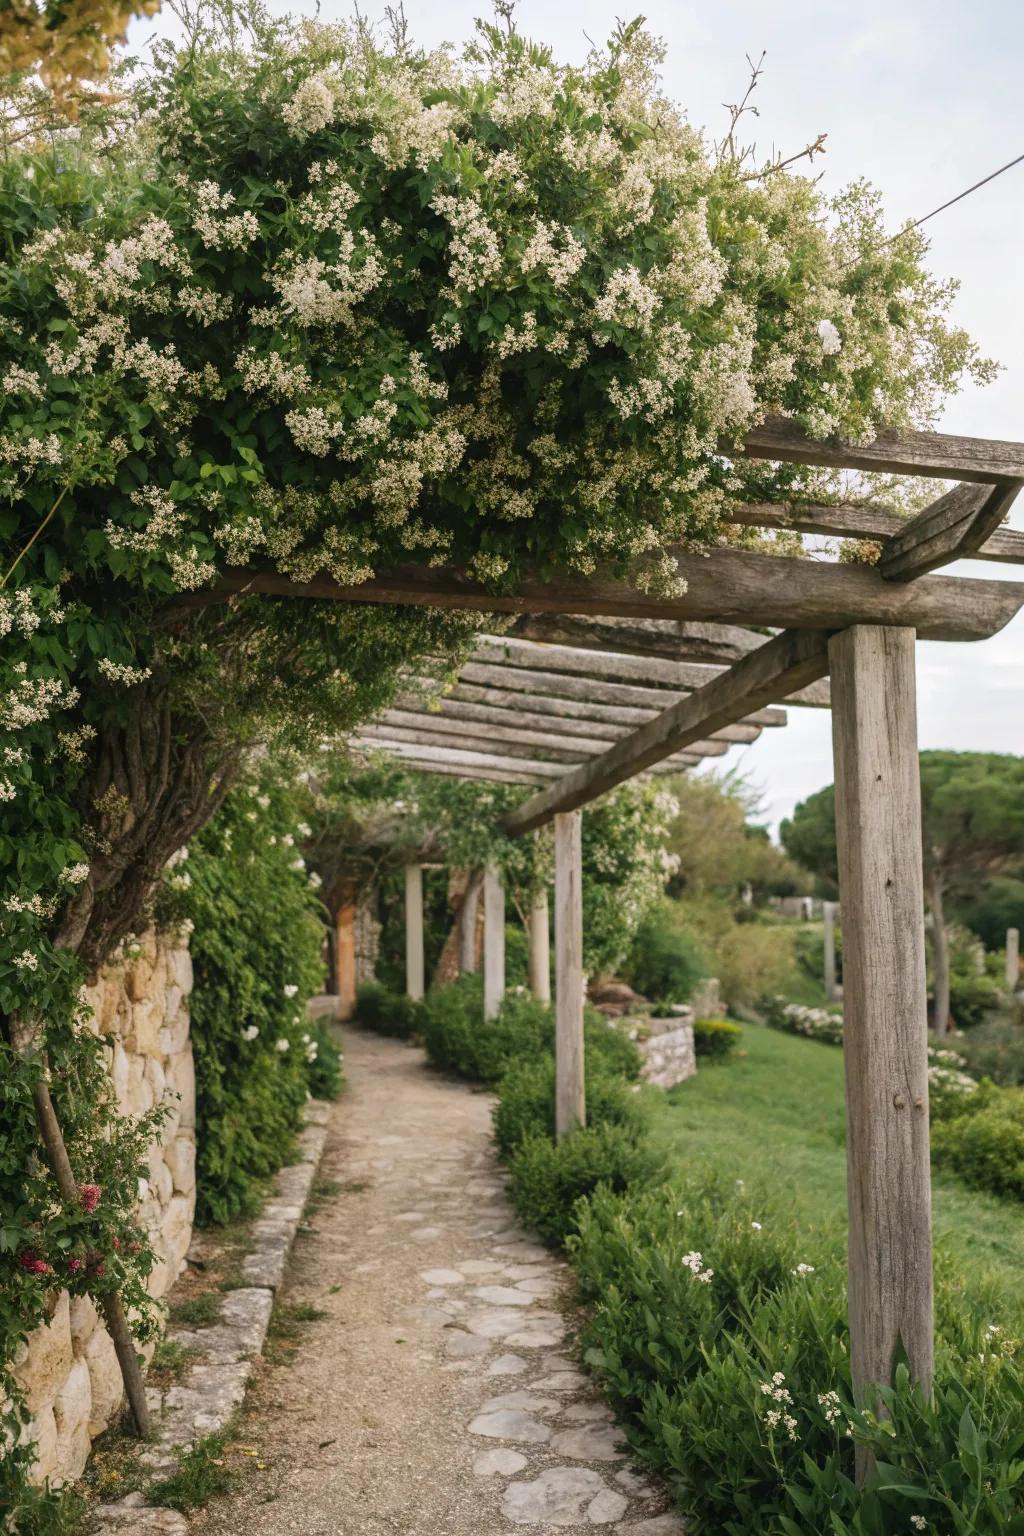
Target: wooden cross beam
<point>471,720</point>
<point>588,690</point>
<point>464,699</point>
<point>1006,545</point>
<point>673,639</point>
<point>936,455</point>
<point>512,740</point>
<point>723,585</point>
<point>952,528</point>
<point>790,660</point>
<point>486,764</point>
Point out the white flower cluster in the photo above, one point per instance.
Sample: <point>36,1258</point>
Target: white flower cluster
<point>694,1262</point>
<point>779,1393</point>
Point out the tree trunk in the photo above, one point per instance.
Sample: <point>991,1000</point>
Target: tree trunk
<point>940,956</point>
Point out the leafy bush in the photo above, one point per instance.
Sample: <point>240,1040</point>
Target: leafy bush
<point>324,1074</point>
<point>387,1012</point>
<point>715,1038</point>
<point>973,998</point>
<point>550,1179</point>
<point>995,1049</point>
<point>720,1334</point>
<point>256,951</point>
<point>526,1104</point>
<point>749,959</point>
<point>984,1142</point>
<point>794,1019</point>
<point>665,963</point>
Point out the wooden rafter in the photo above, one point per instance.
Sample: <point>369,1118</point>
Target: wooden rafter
<point>481,720</point>
<point>789,661</point>
<point>725,585</point>
<point>474,764</point>
<point>952,528</point>
<point>938,455</point>
<point>673,639</point>
<point>858,521</point>
<point>472,696</point>
<point>512,740</point>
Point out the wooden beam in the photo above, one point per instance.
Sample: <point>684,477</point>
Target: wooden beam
<point>539,939</point>
<point>574,750</point>
<point>494,941</point>
<point>570,1093</point>
<point>885,1046</point>
<point>952,528</point>
<point>723,585</point>
<point>501,725</point>
<point>415,983</point>
<point>510,651</point>
<point>876,524</point>
<point>790,660</point>
<point>572,714</point>
<point>673,639</point>
<point>587,690</point>
<point>937,455</point>
<point>455,757</point>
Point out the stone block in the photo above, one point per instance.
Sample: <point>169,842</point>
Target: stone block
<point>143,1034</point>
<point>105,1381</point>
<point>138,979</point>
<point>72,1409</point>
<point>176,1230</point>
<point>181,1079</point>
<point>179,969</point>
<point>84,1318</point>
<point>48,1359</point>
<point>42,1430</point>
<point>180,1156</point>
<point>669,1057</point>
<point>156,1077</point>
<point>119,1065</point>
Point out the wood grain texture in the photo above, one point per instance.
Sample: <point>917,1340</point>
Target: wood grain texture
<point>727,586</point>
<point>828,913</point>
<point>468,924</point>
<point>570,1093</point>
<point>494,941</point>
<point>790,660</point>
<point>500,726</point>
<point>585,690</point>
<point>539,947</point>
<point>952,528</point>
<point>878,830</point>
<point>940,455</point>
<point>567,754</point>
<point>415,978</point>
<point>568,711</point>
<point>672,639</point>
<point>1005,546</point>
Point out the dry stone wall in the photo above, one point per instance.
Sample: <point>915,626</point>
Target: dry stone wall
<point>68,1369</point>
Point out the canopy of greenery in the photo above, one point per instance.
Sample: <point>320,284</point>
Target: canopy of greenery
<point>67,41</point>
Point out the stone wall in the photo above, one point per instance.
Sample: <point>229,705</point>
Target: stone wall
<point>668,1052</point>
<point>68,1369</point>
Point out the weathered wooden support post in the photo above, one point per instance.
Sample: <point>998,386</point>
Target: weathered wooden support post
<point>878,834</point>
<point>345,959</point>
<point>414,969</point>
<point>1012,958</point>
<point>828,910</point>
<point>494,941</point>
<point>540,947</point>
<point>467,925</point>
<point>570,1093</point>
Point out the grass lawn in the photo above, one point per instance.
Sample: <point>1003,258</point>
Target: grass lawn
<point>776,1114</point>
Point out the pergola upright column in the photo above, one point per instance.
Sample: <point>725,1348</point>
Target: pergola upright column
<point>1012,958</point>
<point>878,834</point>
<point>345,959</point>
<point>570,1093</point>
<point>467,925</point>
<point>494,941</point>
<point>540,947</point>
<point>828,909</point>
<point>414,969</point>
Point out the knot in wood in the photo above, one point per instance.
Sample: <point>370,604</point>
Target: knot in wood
<point>899,1101</point>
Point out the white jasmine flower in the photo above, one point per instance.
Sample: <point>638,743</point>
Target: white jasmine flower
<point>282,1045</point>
<point>291,989</point>
<point>250,1032</point>
<point>831,341</point>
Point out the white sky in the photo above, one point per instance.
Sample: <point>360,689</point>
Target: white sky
<point>921,98</point>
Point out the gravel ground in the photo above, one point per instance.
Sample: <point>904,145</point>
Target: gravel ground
<point>438,1396</point>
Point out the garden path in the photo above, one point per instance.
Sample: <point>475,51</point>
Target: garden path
<point>438,1397</point>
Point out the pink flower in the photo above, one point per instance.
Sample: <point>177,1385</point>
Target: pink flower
<point>90,1197</point>
<point>74,1265</point>
<point>34,1264</point>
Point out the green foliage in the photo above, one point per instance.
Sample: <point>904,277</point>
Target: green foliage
<point>973,998</point>
<point>982,1140</point>
<point>324,1075</point>
<point>387,1012</point>
<point>809,837</point>
<point>749,958</point>
<point>664,963</point>
<point>717,849</point>
<point>824,1024</point>
<point>995,1049</point>
<point>550,1181</point>
<point>715,1038</point>
<point>526,1102</point>
<point>719,1330</point>
<point>990,907</point>
<point>256,950</point>
<point>202,1475</point>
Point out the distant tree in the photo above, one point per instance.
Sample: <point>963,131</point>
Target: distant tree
<point>67,41</point>
<point>972,810</point>
<point>719,850</point>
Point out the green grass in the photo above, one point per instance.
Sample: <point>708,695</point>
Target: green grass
<point>198,1311</point>
<point>202,1474</point>
<point>775,1115</point>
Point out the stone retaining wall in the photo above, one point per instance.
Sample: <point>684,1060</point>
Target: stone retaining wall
<point>668,1052</point>
<point>68,1369</point>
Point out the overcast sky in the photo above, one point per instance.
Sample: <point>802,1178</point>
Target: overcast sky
<point>922,98</point>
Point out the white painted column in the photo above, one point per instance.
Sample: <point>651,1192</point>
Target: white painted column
<point>878,834</point>
<point>540,947</point>
<point>494,941</point>
<point>1012,958</point>
<point>828,912</point>
<point>467,926</point>
<point>570,1093</point>
<point>414,970</point>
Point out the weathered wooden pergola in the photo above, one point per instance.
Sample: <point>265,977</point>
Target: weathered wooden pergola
<point>600,682</point>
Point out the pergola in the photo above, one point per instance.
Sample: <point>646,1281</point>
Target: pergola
<point>600,682</point>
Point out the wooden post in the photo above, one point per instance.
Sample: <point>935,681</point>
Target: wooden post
<point>1012,958</point>
<point>540,947</point>
<point>878,834</point>
<point>467,925</point>
<point>570,1094</point>
<point>345,959</point>
<point>828,909</point>
<point>494,941</point>
<point>414,972</point>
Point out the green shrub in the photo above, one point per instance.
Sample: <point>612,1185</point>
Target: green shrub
<point>387,1012</point>
<point>550,1179</point>
<point>715,1037</point>
<point>665,963</point>
<point>323,1054</point>
<point>973,998</point>
<point>995,1049</point>
<point>526,1103</point>
<point>256,948</point>
<point>984,1143</point>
